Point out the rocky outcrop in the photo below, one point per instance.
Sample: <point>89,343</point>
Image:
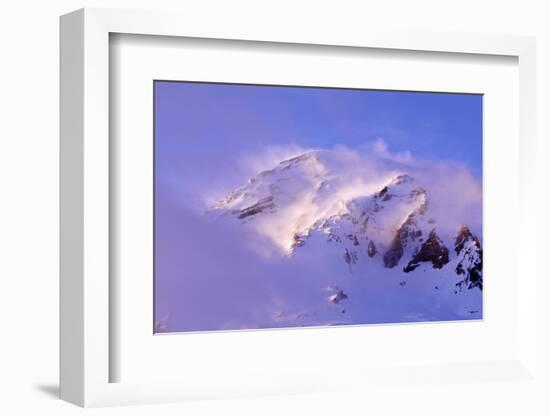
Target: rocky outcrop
<point>464,236</point>
<point>371,250</point>
<point>337,297</point>
<point>298,240</point>
<point>364,226</point>
<point>401,179</point>
<point>470,264</point>
<point>421,195</point>
<point>394,253</point>
<point>260,206</point>
<point>350,256</point>
<point>353,238</point>
<point>308,157</point>
<point>408,231</point>
<point>432,250</point>
<point>384,195</point>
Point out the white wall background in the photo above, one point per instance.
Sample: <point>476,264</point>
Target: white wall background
<point>29,204</point>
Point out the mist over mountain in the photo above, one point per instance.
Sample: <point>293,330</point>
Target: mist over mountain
<point>329,237</point>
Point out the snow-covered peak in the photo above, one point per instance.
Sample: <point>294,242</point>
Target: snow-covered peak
<point>307,190</point>
<point>298,174</point>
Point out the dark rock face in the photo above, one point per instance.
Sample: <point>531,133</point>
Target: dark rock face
<point>364,226</point>
<point>298,241</point>
<point>420,193</point>
<point>334,238</point>
<point>353,238</point>
<point>464,235</point>
<point>398,180</point>
<point>470,265</point>
<point>350,256</point>
<point>305,157</point>
<point>407,232</point>
<point>338,297</point>
<point>394,252</point>
<point>260,206</point>
<point>371,250</point>
<point>432,250</point>
<point>384,195</point>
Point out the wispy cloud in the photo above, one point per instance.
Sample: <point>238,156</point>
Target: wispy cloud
<point>211,266</point>
<point>322,188</point>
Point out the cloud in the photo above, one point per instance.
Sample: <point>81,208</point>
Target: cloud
<point>455,194</point>
<point>379,148</point>
<point>215,274</point>
<point>321,187</point>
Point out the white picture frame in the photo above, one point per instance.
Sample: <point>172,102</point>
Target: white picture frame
<point>85,201</point>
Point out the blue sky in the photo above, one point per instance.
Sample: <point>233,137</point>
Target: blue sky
<point>200,126</point>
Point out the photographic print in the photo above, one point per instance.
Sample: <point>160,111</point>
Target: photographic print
<point>289,206</point>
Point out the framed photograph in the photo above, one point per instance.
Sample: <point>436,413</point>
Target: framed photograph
<point>247,210</point>
<point>311,217</point>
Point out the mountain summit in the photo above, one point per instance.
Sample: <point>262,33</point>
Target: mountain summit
<point>373,235</point>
